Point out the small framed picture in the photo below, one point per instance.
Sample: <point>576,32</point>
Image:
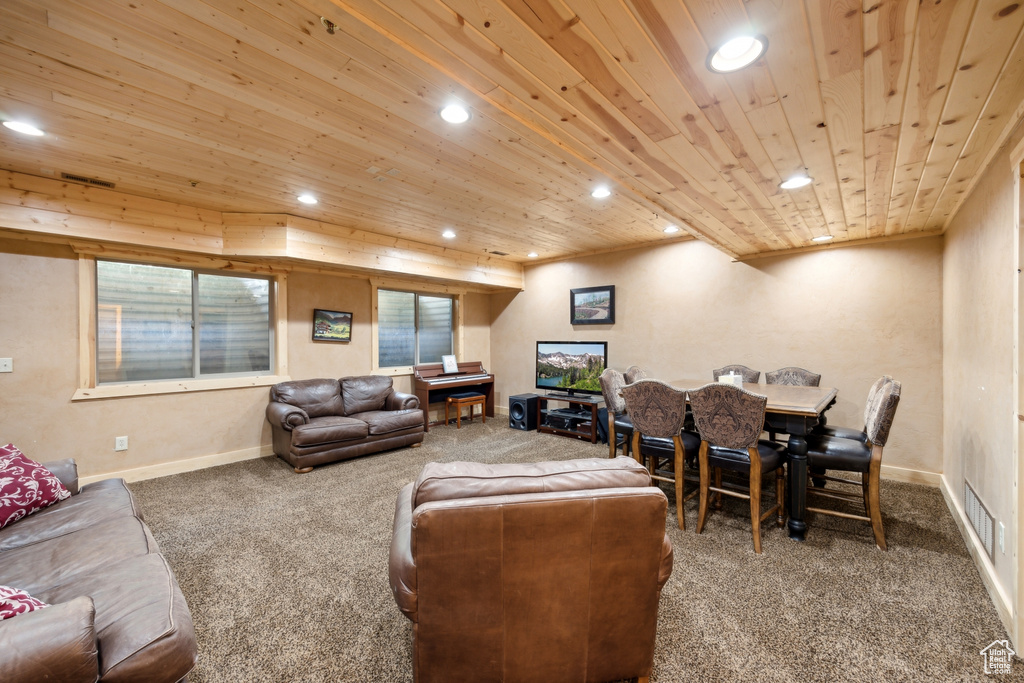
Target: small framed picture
<point>332,326</point>
<point>449,364</point>
<point>592,306</point>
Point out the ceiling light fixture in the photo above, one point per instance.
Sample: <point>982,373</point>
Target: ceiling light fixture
<point>795,182</point>
<point>307,198</point>
<point>821,238</point>
<point>455,113</point>
<point>671,229</point>
<point>532,254</point>
<point>448,234</point>
<point>737,53</point>
<point>23,128</point>
<point>601,193</point>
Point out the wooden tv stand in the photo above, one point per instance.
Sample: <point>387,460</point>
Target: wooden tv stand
<point>578,419</point>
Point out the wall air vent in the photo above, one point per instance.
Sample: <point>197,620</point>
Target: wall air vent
<point>499,253</point>
<point>980,518</point>
<point>88,181</point>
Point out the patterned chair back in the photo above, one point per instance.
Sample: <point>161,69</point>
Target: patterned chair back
<point>884,410</point>
<point>635,374</point>
<point>872,395</point>
<point>793,376</point>
<point>728,416</point>
<point>656,408</point>
<point>612,382</point>
<point>749,375</point>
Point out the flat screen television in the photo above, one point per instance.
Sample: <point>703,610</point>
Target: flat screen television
<point>571,367</point>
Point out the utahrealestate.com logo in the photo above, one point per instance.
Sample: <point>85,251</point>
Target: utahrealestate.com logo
<point>998,657</point>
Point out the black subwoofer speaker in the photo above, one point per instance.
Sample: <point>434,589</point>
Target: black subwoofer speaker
<point>522,412</point>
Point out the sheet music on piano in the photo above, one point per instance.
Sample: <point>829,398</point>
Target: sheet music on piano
<point>433,385</point>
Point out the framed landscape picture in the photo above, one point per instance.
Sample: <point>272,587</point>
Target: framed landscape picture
<point>592,305</point>
<point>332,326</point>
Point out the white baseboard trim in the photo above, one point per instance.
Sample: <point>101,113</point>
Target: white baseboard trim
<point>179,466</point>
<point>911,476</point>
<point>1002,602</point>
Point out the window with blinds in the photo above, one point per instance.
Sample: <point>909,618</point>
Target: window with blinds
<point>162,323</point>
<point>413,328</point>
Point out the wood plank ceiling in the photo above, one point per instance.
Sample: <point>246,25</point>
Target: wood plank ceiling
<point>893,107</point>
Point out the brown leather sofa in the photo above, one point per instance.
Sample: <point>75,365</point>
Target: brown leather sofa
<point>316,421</point>
<point>116,613</point>
<point>531,572</point>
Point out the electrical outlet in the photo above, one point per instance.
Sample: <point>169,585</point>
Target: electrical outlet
<point>1002,534</point>
<point>120,443</point>
<point>6,365</point>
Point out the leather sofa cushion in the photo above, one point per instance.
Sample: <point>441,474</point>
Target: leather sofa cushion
<point>318,397</point>
<point>387,421</point>
<point>328,430</point>
<point>851,455</point>
<point>56,561</point>
<point>454,480</point>
<point>142,621</point>
<point>772,455</point>
<point>95,503</point>
<point>364,393</point>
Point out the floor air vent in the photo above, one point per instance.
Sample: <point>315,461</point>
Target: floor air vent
<point>88,181</point>
<point>980,518</point>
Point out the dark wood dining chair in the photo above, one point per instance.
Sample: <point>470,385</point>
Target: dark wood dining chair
<point>863,455</point>
<point>658,411</point>
<point>729,420</point>
<point>793,376</point>
<point>749,375</point>
<point>620,426</point>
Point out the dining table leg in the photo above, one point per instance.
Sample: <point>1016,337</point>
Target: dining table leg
<point>797,487</point>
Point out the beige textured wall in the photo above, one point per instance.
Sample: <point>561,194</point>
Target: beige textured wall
<point>683,309</point>
<point>39,330</point>
<point>980,428</point>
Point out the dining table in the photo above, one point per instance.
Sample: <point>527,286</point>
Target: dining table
<point>795,411</point>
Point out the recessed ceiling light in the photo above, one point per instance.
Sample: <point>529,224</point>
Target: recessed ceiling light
<point>601,193</point>
<point>821,238</point>
<point>448,234</point>
<point>671,229</point>
<point>532,254</point>
<point>307,198</point>
<point>737,53</point>
<point>23,128</point>
<point>455,113</point>
<point>795,182</point>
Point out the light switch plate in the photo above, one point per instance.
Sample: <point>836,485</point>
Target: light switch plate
<point>6,365</point>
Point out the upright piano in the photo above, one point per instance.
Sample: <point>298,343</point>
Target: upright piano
<point>434,385</point>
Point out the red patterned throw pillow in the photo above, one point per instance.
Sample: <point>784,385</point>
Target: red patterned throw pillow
<point>14,602</point>
<point>25,486</point>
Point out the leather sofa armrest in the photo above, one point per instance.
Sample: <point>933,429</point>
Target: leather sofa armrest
<point>57,643</point>
<point>398,400</point>
<point>667,556</point>
<point>67,471</point>
<point>401,564</point>
<point>285,415</point>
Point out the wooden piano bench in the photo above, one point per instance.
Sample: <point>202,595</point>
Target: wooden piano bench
<point>466,398</point>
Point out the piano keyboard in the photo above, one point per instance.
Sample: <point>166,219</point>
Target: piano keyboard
<point>460,378</point>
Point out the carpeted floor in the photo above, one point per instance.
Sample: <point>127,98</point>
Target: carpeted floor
<point>286,577</point>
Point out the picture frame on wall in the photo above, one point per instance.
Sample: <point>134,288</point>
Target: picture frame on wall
<point>332,325</point>
<point>592,305</point>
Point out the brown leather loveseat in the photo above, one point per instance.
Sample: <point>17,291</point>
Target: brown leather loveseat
<point>531,572</point>
<point>316,421</point>
<point>115,610</point>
